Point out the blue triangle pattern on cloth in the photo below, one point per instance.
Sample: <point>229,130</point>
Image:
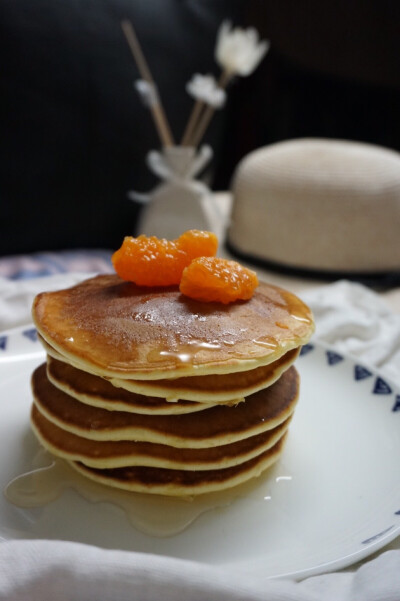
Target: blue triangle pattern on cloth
<point>396,406</point>
<point>360,372</point>
<point>31,334</point>
<point>397,512</point>
<point>306,348</point>
<point>3,342</point>
<point>333,358</point>
<point>381,387</point>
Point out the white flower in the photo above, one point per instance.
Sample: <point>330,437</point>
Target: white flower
<point>147,92</point>
<point>205,88</point>
<point>239,51</point>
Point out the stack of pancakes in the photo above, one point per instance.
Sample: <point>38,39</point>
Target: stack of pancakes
<point>147,390</point>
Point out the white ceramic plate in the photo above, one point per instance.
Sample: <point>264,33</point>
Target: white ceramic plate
<point>333,498</point>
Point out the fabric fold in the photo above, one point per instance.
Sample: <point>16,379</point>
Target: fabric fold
<point>65,571</point>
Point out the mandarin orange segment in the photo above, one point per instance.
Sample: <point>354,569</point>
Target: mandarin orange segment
<point>211,279</point>
<point>197,243</point>
<point>151,261</point>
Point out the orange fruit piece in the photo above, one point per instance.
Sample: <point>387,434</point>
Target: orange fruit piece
<point>220,280</point>
<point>152,261</point>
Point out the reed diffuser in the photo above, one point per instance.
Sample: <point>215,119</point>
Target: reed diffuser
<point>181,202</point>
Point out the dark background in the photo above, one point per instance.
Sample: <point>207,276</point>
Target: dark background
<point>74,134</point>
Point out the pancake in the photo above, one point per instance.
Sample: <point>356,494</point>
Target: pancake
<point>132,453</point>
<point>214,426</point>
<point>147,390</point>
<point>211,389</point>
<point>98,392</point>
<point>182,482</point>
<point>118,330</point>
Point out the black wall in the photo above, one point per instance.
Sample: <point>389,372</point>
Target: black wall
<point>74,134</point>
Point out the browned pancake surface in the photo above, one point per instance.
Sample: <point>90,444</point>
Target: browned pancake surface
<point>228,382</point>
<point>82,384</point>
<point>211,389</point>
<point>116,328</point>
<point>261,411</point>
<point>93,453</point>
<point>150,478</point>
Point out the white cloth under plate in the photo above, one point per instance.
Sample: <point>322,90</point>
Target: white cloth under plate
<point>355,320</point>
<point>62,571</point>
<point>16,296</point>
<point>350,317</point>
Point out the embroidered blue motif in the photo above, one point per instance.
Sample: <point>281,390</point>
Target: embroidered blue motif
<point>381,387</point>
<point>360,372</point>
<point>396,406</point>
<point>333,358</point>
<point>307,348</point>
<point>3,342</point>
<point>31,334</point>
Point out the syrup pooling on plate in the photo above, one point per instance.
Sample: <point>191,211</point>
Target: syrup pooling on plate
<point>153,515</point>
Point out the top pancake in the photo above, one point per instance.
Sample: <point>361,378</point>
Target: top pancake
<point>114,328</point>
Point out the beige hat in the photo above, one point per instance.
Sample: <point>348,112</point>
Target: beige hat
<point>319,206</point>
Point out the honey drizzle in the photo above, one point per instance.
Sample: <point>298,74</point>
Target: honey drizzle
<point>154,515</point>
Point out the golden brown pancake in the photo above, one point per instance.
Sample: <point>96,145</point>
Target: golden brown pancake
<point>209,390</point>
<point>218,425</point>
<point>116,329</point>
<point>213,388</point>
<point>182,482</point>
<point>142,386</point>
<point>96,391</point>
<point>111,454</point>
